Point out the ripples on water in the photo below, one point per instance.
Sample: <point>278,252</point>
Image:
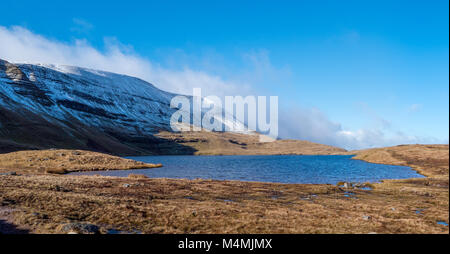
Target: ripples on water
<point>268,168</point>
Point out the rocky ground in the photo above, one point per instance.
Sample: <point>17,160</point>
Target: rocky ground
<point>49,203</point>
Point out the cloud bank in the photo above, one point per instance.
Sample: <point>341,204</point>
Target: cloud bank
<point>313,125</point>
<point>20,45</point>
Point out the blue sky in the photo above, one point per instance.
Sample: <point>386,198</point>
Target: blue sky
<point>356,73</point>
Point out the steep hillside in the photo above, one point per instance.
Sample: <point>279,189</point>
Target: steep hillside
<point>70,107</point>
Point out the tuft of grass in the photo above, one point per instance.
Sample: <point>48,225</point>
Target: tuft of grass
<point>137,176</point>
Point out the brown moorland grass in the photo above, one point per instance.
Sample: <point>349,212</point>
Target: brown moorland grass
<point>229,143</point>
<point>62,161</point>
<point>43,203</point>
<point>428,160</point>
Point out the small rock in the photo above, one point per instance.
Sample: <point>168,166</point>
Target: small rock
<point>393,209</point>
<point>80,228</point>
<point>372,233</point>
<point>126,185</point>
<point>420,211</point>
<point>365,217</point>
<point>40,216</point>
<point>113,231</point>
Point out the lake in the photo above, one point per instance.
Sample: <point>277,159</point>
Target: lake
<point>315,169</point>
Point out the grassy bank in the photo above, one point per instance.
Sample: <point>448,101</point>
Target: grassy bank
<point>229,143</point>
<point>61,161</point>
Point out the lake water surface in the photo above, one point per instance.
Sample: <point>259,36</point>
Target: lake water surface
<point>268,168</point>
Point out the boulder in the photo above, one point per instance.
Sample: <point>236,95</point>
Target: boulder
<point>80,228</point>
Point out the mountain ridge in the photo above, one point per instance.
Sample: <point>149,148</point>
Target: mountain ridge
<point>68,107</point>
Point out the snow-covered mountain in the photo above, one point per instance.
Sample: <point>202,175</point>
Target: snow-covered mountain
<point>79,108</point>
<point>102,99</point>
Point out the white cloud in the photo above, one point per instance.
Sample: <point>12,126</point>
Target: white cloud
<point>18,44</point>
<point>313,125</point>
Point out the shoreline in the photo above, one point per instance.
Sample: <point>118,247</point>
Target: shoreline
<point>413,205</point>
<point>418,171</point>
<point>353,155</point>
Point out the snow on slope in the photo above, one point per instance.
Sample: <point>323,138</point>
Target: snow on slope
<point>97,98</point>
<point>109,101</point>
